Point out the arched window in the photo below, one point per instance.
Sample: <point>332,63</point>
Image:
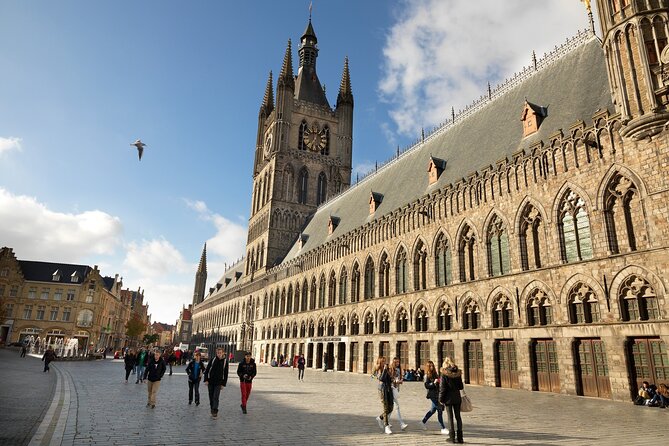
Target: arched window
<point>442,261</point>
<point>384,322</point>
<point>326,138</point>
<point>384,276</point>
<point>264,307</point>
<point>282,305</point>
<point>501,312</point>
<point>401,272</point>
<point>332,291</point>
<point>574,227</point>
<point>85,318</point>
<point>342,327</point>
<point>305,295</point>
<point>337,183</point>
<point>290,305</point>
<point>622,213</point>
<point>531,233</point>
<point>321,328</point>
<point>261,255</point>
<point>497,245</point>
<point>638,300</point>
<point>312,294</point>
<point>539,309</point>
<point>322,192</point>
<point>471,316</point>
<point>301,143</point>
<point>402,321</point>
<point>321,292</point>
<point>302,186</point>
<point>311,329</point>
<point>331,327</point>
<point>466,248</point>
<point>420,267</point>
<point>583,305</point>
<point>343,278</point>
<point>421,318</point>
<point>295,330</point>
<point>369,324</point>
<point>355,325</point>
<point>369,278</point>
<point>444,317</point>
<point>303,330</point>
<point>355,283</point>
<point>288,183</point>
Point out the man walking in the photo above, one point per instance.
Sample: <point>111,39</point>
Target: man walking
<point>246,370</point>
<point>194,370</point>
<point>216,377</point>
<point>49,355</point>
<point>300,367</point>
<point>154,373</point>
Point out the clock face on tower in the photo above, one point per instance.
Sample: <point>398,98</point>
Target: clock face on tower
<point>315,139</point>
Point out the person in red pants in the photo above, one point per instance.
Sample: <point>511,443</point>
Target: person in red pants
<point>246,372</point>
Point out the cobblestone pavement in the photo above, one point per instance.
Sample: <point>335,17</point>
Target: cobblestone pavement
<point>93,405</point>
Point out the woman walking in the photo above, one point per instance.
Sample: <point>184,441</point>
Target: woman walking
<point>432,386</point>
<point>195,370</point>
<point>129,360</point>
<point>385,384</point>
<point>449,396</point>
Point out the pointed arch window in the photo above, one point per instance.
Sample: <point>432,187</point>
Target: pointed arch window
<point>302,186</point>
<point>331,327</point>
<point>303,330</point>
<point>402,321</point>
<point>355,325</point>
<point>289,300</point>
<point>583,305</point>
<point>638,300</point>
<point>337,183</point>
<point>444,317</point>
<point>420,267</point>
<point>622,213</point>
<point>369,324</point>
<point>321,292</point>
<point>369,279</point>
<point>312,294</point>
<point>301,142</point>
<point>466,251</point>
<point>497,248</point>
<point>288,188</point>
<point>502,312</point>
<point>421,318</point>
<point>531,234</point>
<point>342,327</point>
<point>355,283</point>
<point>401,273</point>
<point>384,276</point>
<point>312,329</point>
<point>326,139</point>
<point>322,192</point>
<point>574,228</point>
<point>384,322</point>
<point>442,261</point>
<point>539,309</point>
<point>305,296</point>
<point>321,328</point>
<point>332,290</point>
<point>282,304</point>
<point>343,278</point>
<point>471,316</point>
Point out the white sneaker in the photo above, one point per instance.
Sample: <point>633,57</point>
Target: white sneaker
<point>444,431</point>
<point>380,421</point>
<point>423,426</point>
<point>403,426</point>
<point>388,431</point>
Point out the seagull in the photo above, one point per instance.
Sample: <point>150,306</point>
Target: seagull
<point>140,147</point>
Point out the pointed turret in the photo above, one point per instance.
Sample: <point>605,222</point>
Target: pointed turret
<point>268,100</point>
<point>307,86</point>
<point>286,77</point>
<point>345,95</point>
<point>202,267</point>
<point>200,278</point>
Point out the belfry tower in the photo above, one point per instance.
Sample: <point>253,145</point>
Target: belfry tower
<point>200,278</point>
<point>302,155</point>
<point>635,40</point>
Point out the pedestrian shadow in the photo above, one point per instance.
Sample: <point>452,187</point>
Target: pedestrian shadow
<point>531,437</point>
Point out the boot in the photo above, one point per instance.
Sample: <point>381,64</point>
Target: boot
<point>459,437</point>
<point>451,437</point>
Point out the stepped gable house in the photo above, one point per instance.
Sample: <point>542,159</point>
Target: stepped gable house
<point>527,237</point>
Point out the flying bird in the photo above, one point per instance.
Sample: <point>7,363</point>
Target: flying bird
<point>140,147</point>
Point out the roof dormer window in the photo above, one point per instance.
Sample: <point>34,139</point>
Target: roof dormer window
<point>333,222</point>
<point>74,278</point>
<point>56,276</point>
<point>303,240</point>
<point>434,169</point>
<point>531,117</point>
<point>375,200</point>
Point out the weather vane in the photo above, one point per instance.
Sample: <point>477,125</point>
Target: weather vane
<point>588,6</point>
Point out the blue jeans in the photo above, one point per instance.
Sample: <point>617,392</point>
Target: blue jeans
<point>140,372</point>
<point>436,407</point>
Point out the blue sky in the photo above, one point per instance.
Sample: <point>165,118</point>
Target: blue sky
<point>79,81</point>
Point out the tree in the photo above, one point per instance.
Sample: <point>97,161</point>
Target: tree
<point>134,327</point>
<point>151,339</point>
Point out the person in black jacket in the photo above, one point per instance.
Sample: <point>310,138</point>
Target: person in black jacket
<point>194,370</point>
<point>432,386</point>
<point>216,377</point>
<point>449,396</point>
<point>49,355</point>
<point>129,360</point>
<point>246,370</point>
<point>154,373</point>
<point>385,384</point>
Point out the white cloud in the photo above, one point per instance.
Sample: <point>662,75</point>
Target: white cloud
<point>11,143</point>
<point>442,53</point>
<point>154,258</point>
<point>362,169</point>
<point>38,233</point>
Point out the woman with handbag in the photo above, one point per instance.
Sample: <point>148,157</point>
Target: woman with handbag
<point>449,396</point>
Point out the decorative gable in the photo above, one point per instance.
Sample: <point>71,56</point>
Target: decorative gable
<point>531,117</point>
<point>333,222</point>
<point>434,169</point>
<point>375,200</point>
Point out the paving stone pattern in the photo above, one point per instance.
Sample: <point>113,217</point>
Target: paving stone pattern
<point>329,408</point>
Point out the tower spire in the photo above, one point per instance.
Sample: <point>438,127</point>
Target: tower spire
<point>200,278</point>
<point>345,95</point>
<point>202,267</point>
<point>268,100</point>
<point>286,77</point>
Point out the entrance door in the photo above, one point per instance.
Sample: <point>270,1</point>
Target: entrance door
<point>474,366</point>
<point>403,354</point>
<point>329,356</point>
<point>592,368</point>
<point>546,365</point>
<point>341,357</point>
<point>422,354</point>
<point>446,350</point>
<point>384,350</point>
<point>319,355</point>
<point>369,358</point>
<point>506,364</point>
<point>353,367</point>
<point>310,355</point>
<point>649,361</point>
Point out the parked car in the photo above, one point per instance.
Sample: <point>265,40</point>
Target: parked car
<point>204,352</point>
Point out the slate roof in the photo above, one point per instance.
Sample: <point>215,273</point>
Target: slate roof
<point>108,282</point>
<point>308,88</point>
<point>43,271</point>
<point>573,88</point>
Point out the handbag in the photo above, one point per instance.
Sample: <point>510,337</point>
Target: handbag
<point>466,405</point>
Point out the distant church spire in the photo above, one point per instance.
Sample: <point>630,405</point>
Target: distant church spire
<point>202,267</point>
<point>286,77</point>
<point>268,100</point>
<point>345,95</point>
<point>200,278</point>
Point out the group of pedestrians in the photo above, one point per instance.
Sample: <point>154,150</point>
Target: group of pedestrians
<point>443,391</point>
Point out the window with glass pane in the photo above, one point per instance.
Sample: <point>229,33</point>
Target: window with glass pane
<point>40,313</point>
<point>28,312</point>
<point>54,314</point>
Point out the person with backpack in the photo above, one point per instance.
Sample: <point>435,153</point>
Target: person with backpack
<point>216,377</point>
<point>195,370</point>
<point>246,370</point>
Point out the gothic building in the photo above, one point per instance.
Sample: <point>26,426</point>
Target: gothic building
<point>527,237</point>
